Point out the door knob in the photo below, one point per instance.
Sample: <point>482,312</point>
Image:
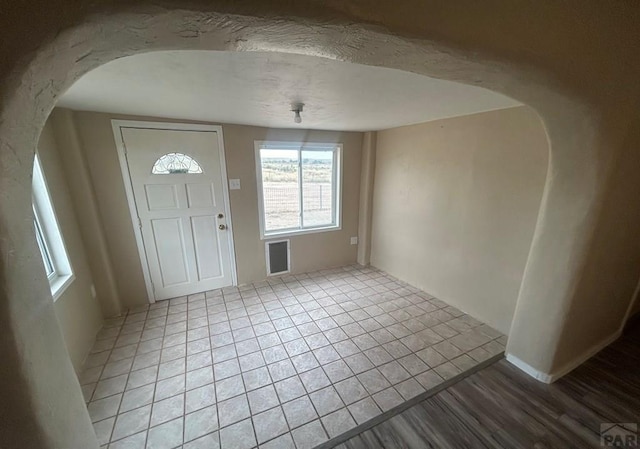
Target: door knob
<point>220,216</point>
<point>222,227</point>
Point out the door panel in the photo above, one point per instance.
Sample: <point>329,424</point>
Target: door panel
<point>178,204</point>
<point>168,237</point>
<point>206,243</point>
<point>161,196</point>
<point>200,196</point>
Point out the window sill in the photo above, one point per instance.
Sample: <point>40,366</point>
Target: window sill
<point>292,233</point>
<point>60,284</point>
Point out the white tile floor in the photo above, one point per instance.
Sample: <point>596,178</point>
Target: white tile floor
<point>287,363</point>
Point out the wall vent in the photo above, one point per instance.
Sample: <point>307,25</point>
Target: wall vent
<point>278,257</point>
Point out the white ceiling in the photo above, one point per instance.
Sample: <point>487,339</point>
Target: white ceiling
<point>257,89</point>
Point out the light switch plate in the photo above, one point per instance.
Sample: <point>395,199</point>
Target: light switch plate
<point>234,184</point>
<point>354,240</point>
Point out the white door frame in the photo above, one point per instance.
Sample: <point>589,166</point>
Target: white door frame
<point>117,125</point>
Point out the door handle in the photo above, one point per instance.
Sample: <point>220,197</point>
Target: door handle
<point>222,227</point>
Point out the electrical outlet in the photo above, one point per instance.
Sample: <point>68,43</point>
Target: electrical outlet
<point>354,240</point>
<point>234,184</point>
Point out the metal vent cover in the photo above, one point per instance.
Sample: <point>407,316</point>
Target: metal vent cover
<point>278,257</point>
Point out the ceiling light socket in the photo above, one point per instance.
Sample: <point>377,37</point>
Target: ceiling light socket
<point>297,108</point>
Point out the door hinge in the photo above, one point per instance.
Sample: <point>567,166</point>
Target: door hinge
<point>139,223</point>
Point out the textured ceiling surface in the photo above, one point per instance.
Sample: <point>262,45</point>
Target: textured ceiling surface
<point>257,88</point>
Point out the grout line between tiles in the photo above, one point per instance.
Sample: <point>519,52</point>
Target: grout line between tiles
<point>281,303</point>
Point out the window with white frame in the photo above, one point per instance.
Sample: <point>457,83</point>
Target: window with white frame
<point>298,187</point>
<point>48,236</point>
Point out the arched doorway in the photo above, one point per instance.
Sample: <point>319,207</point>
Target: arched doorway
<point>46,403</point>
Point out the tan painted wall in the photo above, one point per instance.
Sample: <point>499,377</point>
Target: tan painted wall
<point>89,221</point>
<point>602,301</point>
<point>367,180</point>
<point>455,206</point>
<point>77,311</point>
<point>97,143</point>
<point>308,252</point>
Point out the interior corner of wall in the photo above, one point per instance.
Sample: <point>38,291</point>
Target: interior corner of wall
<point>584,356</point>
<point>565,369</point>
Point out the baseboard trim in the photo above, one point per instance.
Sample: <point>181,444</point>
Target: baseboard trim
<point>568,367</point>
<point>530,370</point>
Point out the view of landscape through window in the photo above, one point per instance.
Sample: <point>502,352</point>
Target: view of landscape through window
<point>282,171</point>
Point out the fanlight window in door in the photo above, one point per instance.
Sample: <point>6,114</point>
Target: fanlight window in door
<point>176,163</point>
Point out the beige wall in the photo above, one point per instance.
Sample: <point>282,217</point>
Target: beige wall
<point>98,147</point>
<point>455,207</point>
<point>367,180</point>
<point>78,313</point>
<point>89,221</point>
<point>308,252</point>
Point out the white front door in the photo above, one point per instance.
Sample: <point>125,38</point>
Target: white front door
<point>177,181</point>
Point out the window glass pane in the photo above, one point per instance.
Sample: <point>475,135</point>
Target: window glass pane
<point>48,235</point>
<point>44,252</point>
<point>317,188</point>
<point>175,163</point>
<point>280,189</point>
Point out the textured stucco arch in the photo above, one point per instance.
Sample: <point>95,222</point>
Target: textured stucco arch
<point>532,53</point>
